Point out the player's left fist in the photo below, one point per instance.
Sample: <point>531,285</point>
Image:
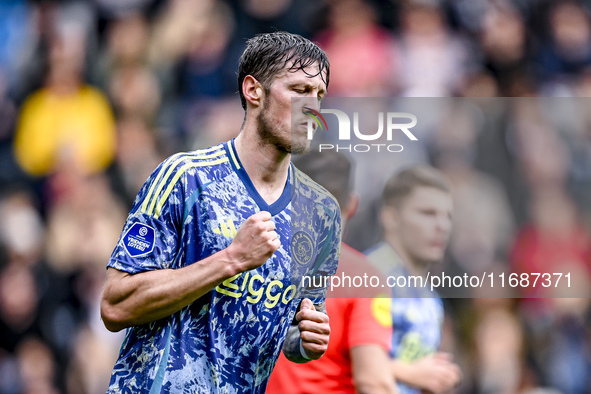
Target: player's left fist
<point>314,329</point>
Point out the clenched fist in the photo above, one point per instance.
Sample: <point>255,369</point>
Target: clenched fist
<point>254,243</point>
<point>314,329</point>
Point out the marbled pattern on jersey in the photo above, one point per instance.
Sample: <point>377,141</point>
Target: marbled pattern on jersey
<point>228,340</point>
<point>311,235</point>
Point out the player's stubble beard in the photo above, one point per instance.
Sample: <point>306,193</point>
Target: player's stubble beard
<point>270,135</point>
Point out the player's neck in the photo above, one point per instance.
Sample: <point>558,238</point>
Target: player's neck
<point>266,166</point>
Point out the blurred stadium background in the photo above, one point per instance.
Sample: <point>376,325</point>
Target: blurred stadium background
<point>94,94</point>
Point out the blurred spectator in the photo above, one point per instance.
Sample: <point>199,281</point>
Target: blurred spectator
<point>135,92</point>
<point>189,53</point>
<point>92,362</point>
<point>15,36</point>
<point>19,303</point>
<point>483,220</point>
<point>554,241</point>
<point>126,44</point>
<point>136,157</point>
<point>361,53</point>
<point>113,9</point>
<point>37,367</point>
<point>542,153</point>
<point>567,49</point>
<point>22,230</point>
<point>204,71</point>
<point>83,225</point>
<point>505,45</point>
<point>175,28</point>
<point>481,84</point>
<point>213,122</point>
<point>566,356</point>
<point>11,172</point>
<point>499,345</point>
<point>433,62</point>
<point>262,16</point>
<point>67,121</point>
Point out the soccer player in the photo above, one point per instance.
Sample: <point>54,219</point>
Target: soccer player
<point>201,275</point>
<point>357,359</point>
<point>416,220</point>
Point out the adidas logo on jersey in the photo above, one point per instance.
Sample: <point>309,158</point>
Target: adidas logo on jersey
<point>228,230</point>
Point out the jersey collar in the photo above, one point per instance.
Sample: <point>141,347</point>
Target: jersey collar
<point>273,208</point>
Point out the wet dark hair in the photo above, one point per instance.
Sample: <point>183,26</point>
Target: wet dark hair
<point>267,55</point>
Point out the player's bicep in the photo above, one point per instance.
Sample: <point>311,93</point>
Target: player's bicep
<point>145,244</point>
<point>150,238</point>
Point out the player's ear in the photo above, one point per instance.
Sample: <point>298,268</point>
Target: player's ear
<point>252,90</point>
<point>389,219</point>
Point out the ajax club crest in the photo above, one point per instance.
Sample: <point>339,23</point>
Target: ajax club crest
<point>302,248</point>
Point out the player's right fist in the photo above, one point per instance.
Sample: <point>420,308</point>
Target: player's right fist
<point>254,243</point>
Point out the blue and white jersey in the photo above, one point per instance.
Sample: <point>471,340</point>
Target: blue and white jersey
<point>228,340</point>
<point>417,313</point>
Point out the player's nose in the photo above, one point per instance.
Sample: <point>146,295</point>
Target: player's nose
<point>312,102</point>
<point>444,223</point>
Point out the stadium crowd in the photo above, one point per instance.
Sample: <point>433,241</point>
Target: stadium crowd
<point>94,94</point>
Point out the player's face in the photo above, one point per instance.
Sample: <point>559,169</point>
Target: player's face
<point>275,119</point>
<point>424,224</point>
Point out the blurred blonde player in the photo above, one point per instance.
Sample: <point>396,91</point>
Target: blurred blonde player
<point>416,220</point>
<point>356,360</point>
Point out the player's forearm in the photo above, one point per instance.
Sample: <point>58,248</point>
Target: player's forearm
<point>291,346</point>
<point>131,300</point>
<point>371,374</point>
<point>405,372</point>
<point>375,387</point>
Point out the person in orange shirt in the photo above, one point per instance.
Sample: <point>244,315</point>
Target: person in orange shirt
<point>356,360</point>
